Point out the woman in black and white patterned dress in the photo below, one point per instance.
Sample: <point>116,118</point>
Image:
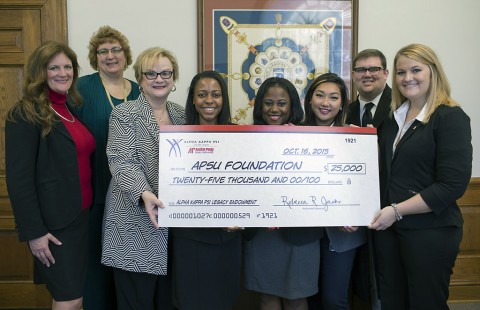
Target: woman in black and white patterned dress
<point>133,243</point>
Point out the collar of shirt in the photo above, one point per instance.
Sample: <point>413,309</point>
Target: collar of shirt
<point>401,113</point>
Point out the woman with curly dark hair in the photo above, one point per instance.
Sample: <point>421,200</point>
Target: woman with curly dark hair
<point>109,54</point>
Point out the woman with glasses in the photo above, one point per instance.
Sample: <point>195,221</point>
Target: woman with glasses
<point>134,244</point>
<point>109,53</point>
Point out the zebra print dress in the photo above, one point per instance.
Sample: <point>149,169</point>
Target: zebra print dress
<point>130,241</point>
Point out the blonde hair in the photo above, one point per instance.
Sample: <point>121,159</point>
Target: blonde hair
<point>148,57</point>
<point>439,91</point>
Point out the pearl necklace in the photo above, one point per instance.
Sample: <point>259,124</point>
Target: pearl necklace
<point>66,119</point>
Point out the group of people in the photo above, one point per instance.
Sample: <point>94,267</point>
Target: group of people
<point>82,176</point>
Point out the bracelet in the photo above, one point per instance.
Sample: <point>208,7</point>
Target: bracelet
<point>398,216</point>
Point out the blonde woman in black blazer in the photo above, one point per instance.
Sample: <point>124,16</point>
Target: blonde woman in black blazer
<point>425,166</point>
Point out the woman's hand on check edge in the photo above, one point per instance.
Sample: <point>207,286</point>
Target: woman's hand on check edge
<point>368,125</point>
<point>272,228</point>
<point>233,228</point>
<point>152,203</point>
<point>348,228</point>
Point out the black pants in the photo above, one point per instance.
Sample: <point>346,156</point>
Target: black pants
<point>142,291</point>
<point>415,265</point>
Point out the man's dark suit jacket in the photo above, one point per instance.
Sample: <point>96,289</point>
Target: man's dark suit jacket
<point>381,113</point>
<point>360,273</point>
<point>42,177</point>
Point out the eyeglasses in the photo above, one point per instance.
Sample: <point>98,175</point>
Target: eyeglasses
<point>115,50</point>
<point>363,70</point>
<point>152,75</point>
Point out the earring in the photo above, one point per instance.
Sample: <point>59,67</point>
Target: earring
<point>174,88</point>
<point>140,88</point>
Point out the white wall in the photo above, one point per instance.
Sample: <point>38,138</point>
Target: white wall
<point>450,28</point>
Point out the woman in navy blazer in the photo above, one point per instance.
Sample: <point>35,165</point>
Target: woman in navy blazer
<point>425,166</point>
<point>48,173</point>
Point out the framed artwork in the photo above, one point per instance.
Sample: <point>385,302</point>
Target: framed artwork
<point>249,41</point>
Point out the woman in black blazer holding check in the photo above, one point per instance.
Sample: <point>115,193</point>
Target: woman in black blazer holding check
<point>48,173</point>
<point>425,166</point>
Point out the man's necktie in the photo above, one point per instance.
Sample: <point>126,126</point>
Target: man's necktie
<point>367,115</point>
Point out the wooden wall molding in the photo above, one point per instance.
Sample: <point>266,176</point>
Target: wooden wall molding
<point>54,13</point>
<point>24,25</point>
<point>465,282</point>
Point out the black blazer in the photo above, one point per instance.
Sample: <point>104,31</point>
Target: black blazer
<point>206,235</point>
<point>432,159</point>
<point>42,177</point>
<point>381,113</point>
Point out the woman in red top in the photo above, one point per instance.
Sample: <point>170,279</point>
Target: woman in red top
<point>48,172</point>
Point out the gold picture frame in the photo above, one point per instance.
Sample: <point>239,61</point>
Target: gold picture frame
<point>250,40</point>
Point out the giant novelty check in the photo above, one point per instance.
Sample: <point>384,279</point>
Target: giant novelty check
<point>267,176</point>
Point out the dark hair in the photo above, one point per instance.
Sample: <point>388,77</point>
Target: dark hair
<point>370,53</point>
<point>35,104</point>
<point>192,115</point>
<point>341,117</point>
<point>296,111</point>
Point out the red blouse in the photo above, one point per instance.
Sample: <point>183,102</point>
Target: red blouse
<point>84,142</point>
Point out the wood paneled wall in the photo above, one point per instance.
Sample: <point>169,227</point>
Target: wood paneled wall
<point>24,24</point>
<point>465,282</point>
